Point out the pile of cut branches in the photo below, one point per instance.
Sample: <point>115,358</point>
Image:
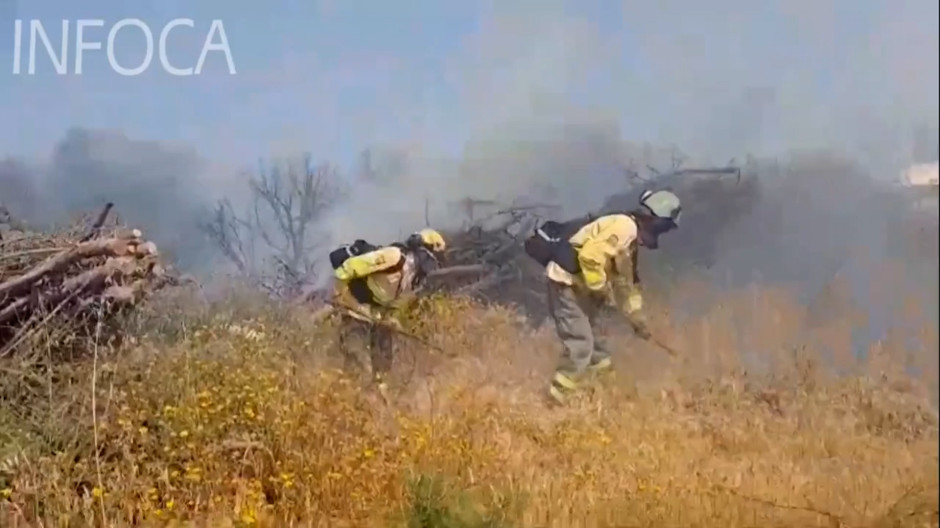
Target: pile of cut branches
<point>487,261</point>
<point>60,290</point>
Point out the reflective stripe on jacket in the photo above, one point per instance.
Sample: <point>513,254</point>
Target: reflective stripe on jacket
<point>603,247</point>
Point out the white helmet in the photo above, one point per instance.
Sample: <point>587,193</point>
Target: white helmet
<point>662,204</point>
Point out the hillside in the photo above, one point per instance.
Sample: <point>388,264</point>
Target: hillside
<point>232,414</point>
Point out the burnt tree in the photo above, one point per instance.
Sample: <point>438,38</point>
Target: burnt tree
<point>274,240</point>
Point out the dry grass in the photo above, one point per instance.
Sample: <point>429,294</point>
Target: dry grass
<point>238,418</point>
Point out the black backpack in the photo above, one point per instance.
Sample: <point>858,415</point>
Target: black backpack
<point>341,254</point>
<point>550,243</point>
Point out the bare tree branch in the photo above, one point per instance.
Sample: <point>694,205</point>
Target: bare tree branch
<point>286,202</point>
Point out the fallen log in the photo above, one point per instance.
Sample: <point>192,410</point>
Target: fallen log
<point>57,287</point>
<point>93,281</point>
<point>115,247</point>
<point>450,271</point>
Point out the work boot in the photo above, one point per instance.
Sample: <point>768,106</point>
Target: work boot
<point>601,370</point>
<point>561,388</point>
<point>601,365</point>
<point>555,397</point>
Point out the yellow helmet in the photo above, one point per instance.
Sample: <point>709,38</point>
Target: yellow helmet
<point>432,240</point>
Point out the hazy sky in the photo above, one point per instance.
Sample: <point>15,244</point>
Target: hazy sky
<point>311,74</point>
<point>721,79</point>
<point>332,76</point>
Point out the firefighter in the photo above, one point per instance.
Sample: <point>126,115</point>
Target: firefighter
<point>373,284</point>
<point>597,266</point>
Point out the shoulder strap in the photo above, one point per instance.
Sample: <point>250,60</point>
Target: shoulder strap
<point>571,227</point>
<point>553,231</point>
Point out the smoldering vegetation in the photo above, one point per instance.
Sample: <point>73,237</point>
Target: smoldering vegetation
<point>802,219</point>
<point>554,105</point>
<point>551,109</point>
<point>795,294</point>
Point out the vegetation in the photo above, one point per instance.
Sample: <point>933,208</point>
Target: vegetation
<point>184,412</point>
<point>234,414</point>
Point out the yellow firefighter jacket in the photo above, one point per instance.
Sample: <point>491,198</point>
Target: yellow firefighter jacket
<point>387,274</point>
<point>606,250</point>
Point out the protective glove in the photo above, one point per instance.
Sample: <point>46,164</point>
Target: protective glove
<point>634,302</point>
<point>633,310</point>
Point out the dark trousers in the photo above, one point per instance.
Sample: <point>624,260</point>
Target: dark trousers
<point>357,336</point>
<point>577,320</point>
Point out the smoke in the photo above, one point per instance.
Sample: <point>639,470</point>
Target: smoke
<point>836,97</point>
<point>549,103</point>
<point>157,187</point>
